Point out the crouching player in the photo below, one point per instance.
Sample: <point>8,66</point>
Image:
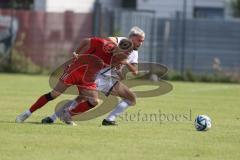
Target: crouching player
<point>94,55</point>
<point>108,82</point>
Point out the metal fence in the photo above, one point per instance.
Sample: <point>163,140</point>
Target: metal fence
<point>197,45</point>
<point>47,39</point>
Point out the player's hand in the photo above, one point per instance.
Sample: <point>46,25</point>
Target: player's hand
<point>119,66</point>
<point>75,55</point>
<point>124,62</point>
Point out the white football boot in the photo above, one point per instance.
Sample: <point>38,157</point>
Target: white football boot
<point>64,115</point>
<point>22,117</point>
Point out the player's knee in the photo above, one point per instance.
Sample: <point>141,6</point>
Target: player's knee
<point>80,99</point>
<point>49,96</point>
<point>132,100</point>
<point>94,101</point>
<point>53,94</point>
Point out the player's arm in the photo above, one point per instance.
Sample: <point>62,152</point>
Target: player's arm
<point>119,73</point>
<point>113,39</point>
<point>135,67</point>
<point>83,46</point>
<point>131,67</point>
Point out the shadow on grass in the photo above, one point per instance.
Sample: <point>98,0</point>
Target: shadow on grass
<point>36,123</point>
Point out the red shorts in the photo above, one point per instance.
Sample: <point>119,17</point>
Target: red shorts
<point>79,77</point>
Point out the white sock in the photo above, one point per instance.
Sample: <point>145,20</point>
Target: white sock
<point>73,105</point>
<point>28,112</point>
<point>53,117</point>
<point>120,107</point>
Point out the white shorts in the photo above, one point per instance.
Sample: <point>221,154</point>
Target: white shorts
<point>105,83</point>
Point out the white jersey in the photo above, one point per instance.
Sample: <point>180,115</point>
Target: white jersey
<point>107,78</point>
<point>132,58</point>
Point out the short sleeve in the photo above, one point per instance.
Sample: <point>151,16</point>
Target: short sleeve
<point>133,57</point>
<point>95,42</point>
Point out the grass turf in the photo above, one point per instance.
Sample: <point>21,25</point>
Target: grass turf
<point>166,138</point>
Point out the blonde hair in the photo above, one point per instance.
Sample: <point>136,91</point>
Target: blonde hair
<point>136,31</point>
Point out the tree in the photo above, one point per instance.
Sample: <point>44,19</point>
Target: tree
<point>236,7</point>
<point>16,4</point>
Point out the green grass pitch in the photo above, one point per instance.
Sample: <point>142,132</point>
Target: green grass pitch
<point>169,139</point>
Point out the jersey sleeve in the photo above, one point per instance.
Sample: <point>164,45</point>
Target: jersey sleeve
<point>133,57</point>
<point>95,42</point>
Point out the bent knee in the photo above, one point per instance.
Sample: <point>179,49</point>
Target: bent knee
<point>94,101</point>
<point>133,103</point>
<point>54,94</point>
<point>134,100</point>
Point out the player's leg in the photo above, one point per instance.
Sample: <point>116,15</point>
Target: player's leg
<point>86,90</point>
<point>128,99</point>
<point>52,118</point>
<point>121,90</point>
<point>70,105</point>
<point>87,100</point>
<point>42,100</point>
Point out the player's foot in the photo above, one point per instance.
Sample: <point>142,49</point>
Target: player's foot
<point>65,117</point>
<point>108,123</point>
<point>47,120</point>
<point>71,123</point>
<point>22,117</point>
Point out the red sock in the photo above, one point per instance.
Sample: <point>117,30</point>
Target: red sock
<point>39,103</point>
<point>80,108</point>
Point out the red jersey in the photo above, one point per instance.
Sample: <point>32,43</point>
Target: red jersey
<point>101,48</point>
<point>82,71</point>
<point>96,57</point>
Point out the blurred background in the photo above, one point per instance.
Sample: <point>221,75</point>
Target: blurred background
<point>198,40</point>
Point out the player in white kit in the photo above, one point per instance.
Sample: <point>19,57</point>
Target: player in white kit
<point>108,82</point>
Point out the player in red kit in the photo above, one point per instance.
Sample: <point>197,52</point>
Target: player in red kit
<point>108,82</point>
<point>92,55</point>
